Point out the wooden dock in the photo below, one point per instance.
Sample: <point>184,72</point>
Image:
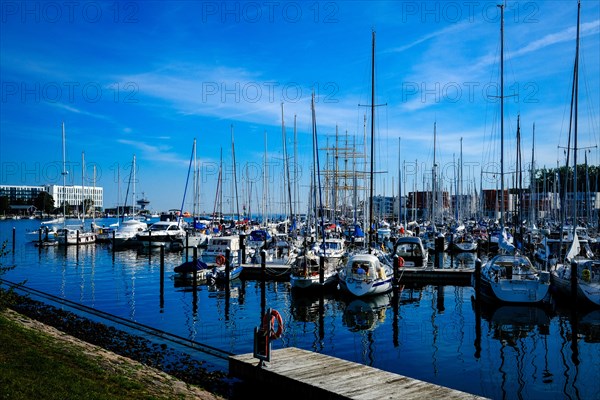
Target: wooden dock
<point>446,276</point>
<point>296,373</point>
<point>273,271</point>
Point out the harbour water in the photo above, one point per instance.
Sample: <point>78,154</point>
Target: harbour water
<point>433,332</point>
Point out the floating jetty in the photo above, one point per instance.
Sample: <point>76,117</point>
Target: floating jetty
<point>432,276</point>
<point>297,373</point>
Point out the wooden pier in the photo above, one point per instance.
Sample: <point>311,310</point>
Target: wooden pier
<point>273,272</point>
<point>445,276</point>
<point>296,373</point>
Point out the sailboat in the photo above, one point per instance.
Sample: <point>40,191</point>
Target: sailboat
<point>585,286</point>
<point>308,271</point>
<point>510,277</point>
<point>368,273</point>
<point>72,234</point>
<point>125,235</point>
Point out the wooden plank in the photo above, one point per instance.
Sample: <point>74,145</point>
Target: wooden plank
<point>306,374</point>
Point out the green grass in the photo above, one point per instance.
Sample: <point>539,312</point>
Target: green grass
<point>37,366</point>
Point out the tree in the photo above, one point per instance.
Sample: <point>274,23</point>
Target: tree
<point>4,205</point>
<point>44,202</point>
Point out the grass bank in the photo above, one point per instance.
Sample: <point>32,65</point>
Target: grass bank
<point>40,362</point>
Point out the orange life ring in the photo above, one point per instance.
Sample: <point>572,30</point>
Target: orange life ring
<point>400,262</point>
<point>269,322</point>
<point>220,260</point>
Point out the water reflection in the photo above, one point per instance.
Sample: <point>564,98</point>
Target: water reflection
<point>366,314</point>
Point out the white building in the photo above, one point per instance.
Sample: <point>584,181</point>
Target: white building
<point>75,195</point>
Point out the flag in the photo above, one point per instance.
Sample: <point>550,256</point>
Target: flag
<point>574,249</point>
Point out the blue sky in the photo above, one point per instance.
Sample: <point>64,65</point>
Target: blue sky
<point>146,78</point>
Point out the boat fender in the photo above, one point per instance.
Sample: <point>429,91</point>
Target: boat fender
<point>269,323</point>
<point>381,273</point>
<point>220,260</point>
<point>586,275</point>
<point>400,262</point>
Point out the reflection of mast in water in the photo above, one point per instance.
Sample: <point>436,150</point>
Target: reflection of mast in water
<point>458,309</point>
<point>435,329</point>
<point>503,373</point>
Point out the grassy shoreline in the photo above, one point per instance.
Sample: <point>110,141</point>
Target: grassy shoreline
<point>40,362</point>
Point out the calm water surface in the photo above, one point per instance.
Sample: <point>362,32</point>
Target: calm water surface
<point>432,333</point>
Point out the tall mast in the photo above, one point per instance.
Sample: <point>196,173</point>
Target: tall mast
<point>82,187</point>
<point>501,116</point>
<point>372,139</point>
<point>64,174</point>
<point>434,177</point>
<point>399,182</point>
<point>575,95</point>
<point>237,202</point>
<point>285,165</point>
<point>133,194</point>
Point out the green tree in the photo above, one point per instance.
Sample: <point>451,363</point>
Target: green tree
<point>7,297</point>
<point>4,205</point>
<point>44,202</point>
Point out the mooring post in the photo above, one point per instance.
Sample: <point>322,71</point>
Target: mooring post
<point>321,270</point>
<point>227,265</point>
<point>114,233</point>
<point>396,271</point>
<point>439,252</point>
<point>149,245</point>
<point>40,237</point>
<point>574,282</point>
<point>263,269</point>
<point>162,271</point>
<point>194,271</point>
<point>13,238</point>
<point>477,278</point>
<point>187,245</point>
<point>243,248</point>
<point>78,236</point>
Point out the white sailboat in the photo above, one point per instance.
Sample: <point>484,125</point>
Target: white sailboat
<point>587,280</point>
<point>72,234</point>
<point>510,277</point>
<point>367,274</point>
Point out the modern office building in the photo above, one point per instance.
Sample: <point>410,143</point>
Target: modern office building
<point>73,195</point>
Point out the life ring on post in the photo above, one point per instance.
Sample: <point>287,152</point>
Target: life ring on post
<point>400,262</point>
<point>220,260</point>
<point>269,323</point>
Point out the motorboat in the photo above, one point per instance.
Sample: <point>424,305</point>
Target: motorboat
<point>366,275</point>
<point>412,251</point>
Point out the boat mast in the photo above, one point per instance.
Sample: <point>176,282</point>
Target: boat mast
<point>237,203</point>
<point>372,140</point>
<point>82,189</point>
<point>575,98</point>
<point>285,166</point>
<point>399,182</point>
<point>501,116</point>
<point>64,174</point>
<point>133,194</point>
